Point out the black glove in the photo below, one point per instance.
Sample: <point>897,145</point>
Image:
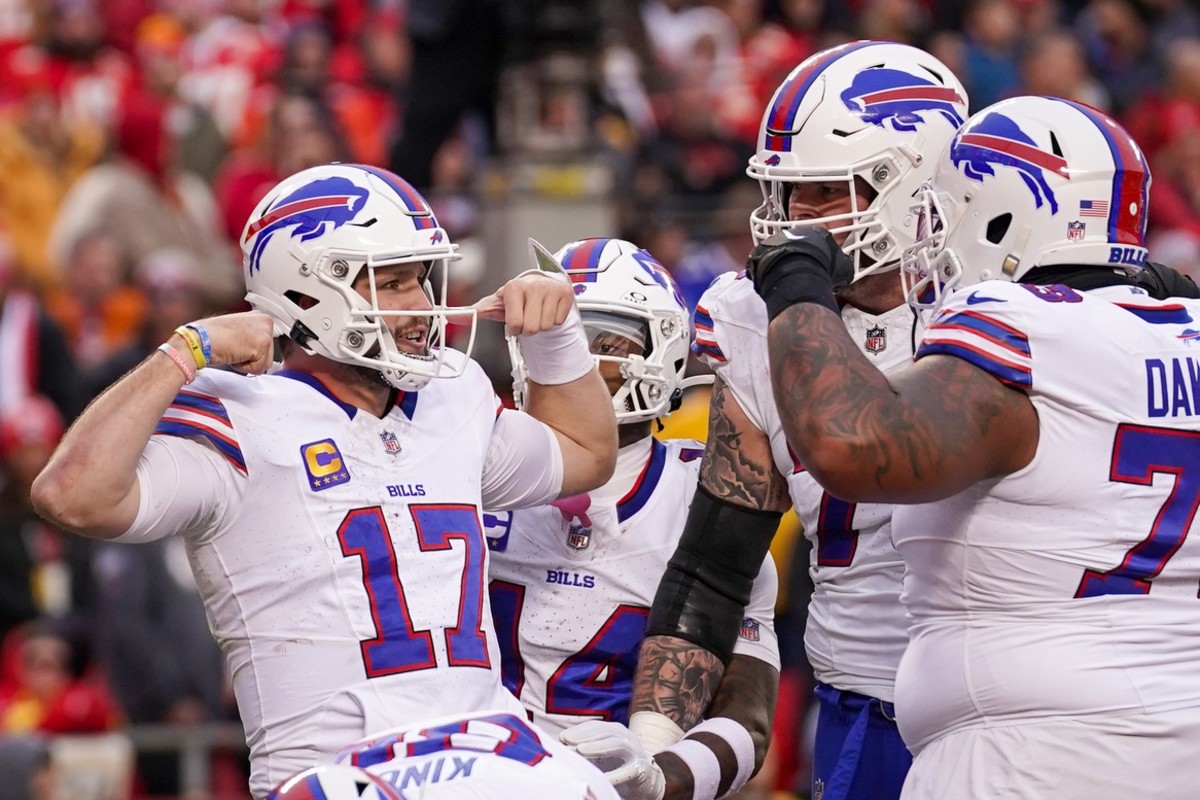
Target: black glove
<point>1163,282</point>
<point>802,267</point>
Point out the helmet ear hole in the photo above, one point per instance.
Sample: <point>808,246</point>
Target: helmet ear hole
<point>998,227</point>
<point>301,299</point>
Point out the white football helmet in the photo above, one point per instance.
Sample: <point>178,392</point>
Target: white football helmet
<point>879,111</point>
<point>621,288</point>
<point>1029,182</point>
<point>334,782</point>
<point>313,235</point>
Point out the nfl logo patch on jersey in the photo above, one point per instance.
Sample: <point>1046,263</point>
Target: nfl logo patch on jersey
<point>575,519</point>
<point>750,630</point>
<point>876,339</point>
<point>390,442</point>
<point>578,537</point>
<point>1076,230</point>
<point>324,465</point>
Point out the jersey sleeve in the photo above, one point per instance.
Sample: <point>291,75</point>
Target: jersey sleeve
<point>985,327</point>
<point>193,470</point>
<point>757,637</point>
<point>731,330</point>
<point>523,466</point>
<point>185,487</point>
<point>201,415</point>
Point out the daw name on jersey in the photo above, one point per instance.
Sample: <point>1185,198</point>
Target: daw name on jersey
<point>1172,387</point>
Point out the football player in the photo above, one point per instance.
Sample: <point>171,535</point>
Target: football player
<point>848,139</point>
<point>572,581</point>
<point>1046,444</point>
<point>331,509</point>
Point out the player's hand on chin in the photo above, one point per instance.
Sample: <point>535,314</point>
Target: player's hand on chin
<point>244,341</point>
<point>532,302</point>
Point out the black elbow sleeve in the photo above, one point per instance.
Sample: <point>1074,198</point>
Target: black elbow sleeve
<point>704,592</point>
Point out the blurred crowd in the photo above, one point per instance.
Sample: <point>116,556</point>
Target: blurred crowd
<point>136,136</point>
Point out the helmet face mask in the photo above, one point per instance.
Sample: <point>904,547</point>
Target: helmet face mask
<point>863,114</point>
<point>313,237</point>
<point>1028,182</point>
<point>621,290</point>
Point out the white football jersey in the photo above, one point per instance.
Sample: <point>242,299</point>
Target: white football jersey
<point>856,623</point>
<point>572,583</point>
<point>340,556</point>
<point>1068,588</point>
<point>475,756</point>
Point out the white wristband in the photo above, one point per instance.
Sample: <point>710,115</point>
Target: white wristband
<point>703,763</point>
<point>559,355</point>
<point>654,730</point>
<point>740,742</point>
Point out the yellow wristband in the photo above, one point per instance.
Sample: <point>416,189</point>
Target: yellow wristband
<point>193,342</point>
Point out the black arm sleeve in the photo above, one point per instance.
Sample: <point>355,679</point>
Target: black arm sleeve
<point>704,592</point>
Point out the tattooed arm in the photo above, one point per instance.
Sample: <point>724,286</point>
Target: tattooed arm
<point>747,696</point>
<point>922,434</point>
<point>676,677</point>
<point>737,465</point>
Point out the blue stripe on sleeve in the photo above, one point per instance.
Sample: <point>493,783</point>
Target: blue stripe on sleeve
<point>998,332</point>
<point>224,446</point>
<point>208,405</point>
<point>1007,373</point>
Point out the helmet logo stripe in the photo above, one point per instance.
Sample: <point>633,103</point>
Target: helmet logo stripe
<point>1127,211</point>
<point>423,217</point>
<point>1024,152</point>
<point>581,262</point>
<point>781,117</point>
<point>297,207</point>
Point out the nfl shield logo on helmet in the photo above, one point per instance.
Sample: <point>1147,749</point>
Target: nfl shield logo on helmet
<point>876,339</point>
<point>1076,230</point>
<point>390,443</point>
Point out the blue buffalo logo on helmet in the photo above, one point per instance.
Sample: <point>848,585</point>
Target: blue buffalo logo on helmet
<point>997,141</point>
<point>897,97</point>
<point>313,209</point>
<point>660,275</point>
